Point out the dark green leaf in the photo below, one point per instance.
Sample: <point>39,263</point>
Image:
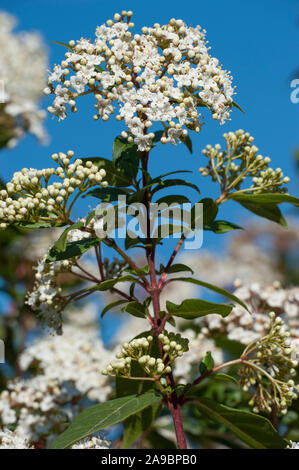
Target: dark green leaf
<point>112,305</point>
<point>221,226</point>
<point>110,283</point>
<point>160,442</point>
<point>267,211</point>
<point>209,286</point>
<point>173,199</point>
<point>193,308</point>
<point>107,194</point>
<point>139,423</point>
<point>136,309</point>
<point>210,210</point>
<point>176,268</point>
<point>62,44</point>
<point>265,198</point>
<point>60,245</point>
<point>256,431</point>
<point>132,242</point>
<point>27,226</point>
<point>72,249</point>
<point>207,363</point>
<point>187,141</point>
<point>174,182</point>
<point>89,218</point>
<point>235,105</point>
<point>102,416</point>
<point>224,378</point>
<point>126,156</point>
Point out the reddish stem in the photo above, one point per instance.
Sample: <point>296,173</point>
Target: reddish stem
<point>154,289</point>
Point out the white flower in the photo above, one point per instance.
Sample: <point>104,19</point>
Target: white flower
<point>145,76</point>
<point>92,443</point>
<point>23,71</point>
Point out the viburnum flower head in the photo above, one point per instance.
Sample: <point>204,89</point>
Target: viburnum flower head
<point>162,75</point>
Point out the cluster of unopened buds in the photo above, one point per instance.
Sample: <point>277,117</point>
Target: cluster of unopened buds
<point>139,350</point>
<point>162,75</point>
<point>29,196</point>
<point>268,366</point>
<point>240,160</point>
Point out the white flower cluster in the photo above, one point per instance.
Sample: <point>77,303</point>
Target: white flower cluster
<point>68,373</point>
<point>162,75</point>
<point>29,197</point>
<point>77,357</point>
<point>23,72</point>
<point>11,440</point>
<point>240,160</point>
<point>268,368</point>
<point>92,443</point>
<point>245,327</point>
<point>45,296</point>
<point>38,407</point>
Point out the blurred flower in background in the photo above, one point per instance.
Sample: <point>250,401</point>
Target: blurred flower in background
<point>23,63</point>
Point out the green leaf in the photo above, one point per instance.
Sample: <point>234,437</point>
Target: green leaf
<point>89,217</point>
<point>27,226</point>
<point>173,199</point>
<point>207,363</point>
<point>220,377</point>
<point>107,194</point>
<point>72,249</point>
<point>170,320</point>
<point>167,229</point>
<point>235,105</point>
<point>176,268</point>
<point>60,245</point>
<point>112,305</point>
<point>126,156</point>
<point>265,198</point>
<point>221,226</point>
<point>64,44</point>
<point>187,141</point>
<point>194,308</point>
<point>104,415</point>
<point>210,210</point>
<point>265,204</point>
<point>209,286</point>
<point>159,178</point>
<point>160,442</point>
<point>256,431</point>
<point>114,175</point>
<point>267,211</point>
<point>133,242</point>
<point>138,423</point>
<point>136,309</point>
<point>110,283</point>
<point>174,182</point>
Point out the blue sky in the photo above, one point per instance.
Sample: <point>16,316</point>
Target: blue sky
<point>257,40</point>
